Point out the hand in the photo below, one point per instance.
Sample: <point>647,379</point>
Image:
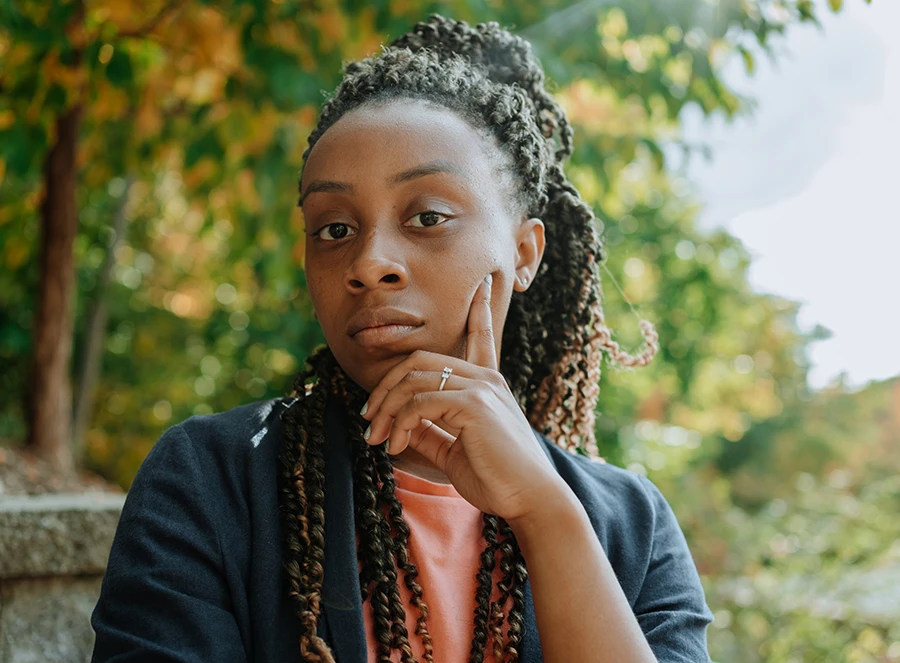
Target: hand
<point>494,461</point>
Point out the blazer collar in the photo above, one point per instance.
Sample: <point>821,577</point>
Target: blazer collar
<point>343,626</point>
<point>340,585</point>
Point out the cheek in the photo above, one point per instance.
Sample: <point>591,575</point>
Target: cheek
<point>321,293</point>
<point>496,245</point>
<point>486,250</point>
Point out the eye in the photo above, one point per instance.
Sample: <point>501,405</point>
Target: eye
<point>333,232</point>
<point>429,218</point>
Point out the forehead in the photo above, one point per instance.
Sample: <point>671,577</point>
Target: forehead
<point>381,139</point>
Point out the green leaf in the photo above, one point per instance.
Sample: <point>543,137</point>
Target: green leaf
<point>749,60</point>
<point>56,97</point>
<point>206,146</point>
<point>119,70</point>
<point>291,87</point>
<point>232,88</point>
<point>835,5</point>
<point>656,153</point>
<point>22,146</point>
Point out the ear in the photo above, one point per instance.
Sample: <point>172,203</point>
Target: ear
<point>529,252</point>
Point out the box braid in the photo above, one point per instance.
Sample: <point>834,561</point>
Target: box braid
<point>550,352</point>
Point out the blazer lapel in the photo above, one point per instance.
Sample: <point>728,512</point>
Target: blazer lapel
<point>530,647</point>
<point>340,586</point>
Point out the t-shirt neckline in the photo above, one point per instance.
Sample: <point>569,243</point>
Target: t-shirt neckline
<point>413,484</point>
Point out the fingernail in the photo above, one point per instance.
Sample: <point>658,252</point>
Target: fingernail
<point>489,279</point>
<point>367,433</point>
<point>365,409</point>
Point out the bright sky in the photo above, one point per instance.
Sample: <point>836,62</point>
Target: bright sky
<point>810,184</point>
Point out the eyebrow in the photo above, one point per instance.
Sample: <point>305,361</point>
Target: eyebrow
<point>325,186</point>
<point>424,170</point>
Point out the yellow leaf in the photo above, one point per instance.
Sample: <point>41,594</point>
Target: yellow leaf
<point>298,254</point>
<point>7,118</point>
<point>332,24</point>
<point>214,44</point>
<point>149,119</point>
<point>208,86</point>
<point>72,79</point>
<point>203,171</point>
<point>367,39</point>
<point>284,35</point>
<point>262,128</point>
<point>16,253</point>
<point>19,55</point>
<point>835,5</point>
<point>110,102</point>
<point>6,213</point>
<point>298,224</point>
<point>306,116</point>
<point>246,189</point>
<point>131,15</point>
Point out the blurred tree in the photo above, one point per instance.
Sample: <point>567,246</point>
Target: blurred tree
<point>204,108</point>
<point>95,334</point>
<point>810,575</point>
<point>795,527</point>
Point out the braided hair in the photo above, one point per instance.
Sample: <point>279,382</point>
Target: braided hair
<point>550,350</point>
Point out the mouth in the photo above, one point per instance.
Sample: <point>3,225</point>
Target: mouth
<point>383,335</point>
<point>377,326</point>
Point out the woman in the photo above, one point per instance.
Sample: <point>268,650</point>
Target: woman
<point>413,500</point>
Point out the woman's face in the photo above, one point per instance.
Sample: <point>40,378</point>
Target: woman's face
<point>407,209</point>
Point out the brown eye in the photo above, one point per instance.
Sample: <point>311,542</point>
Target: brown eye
<point>429,218</point>
<point>334,231</point>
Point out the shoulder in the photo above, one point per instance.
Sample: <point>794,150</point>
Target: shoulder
<point>606,489</point>
<point>645,546</point>
<point>225,436</point>
<point>237,430</point>
<point>210,452</point>
<point>632,519</point>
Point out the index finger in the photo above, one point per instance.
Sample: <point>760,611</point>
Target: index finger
<point>481,348</point>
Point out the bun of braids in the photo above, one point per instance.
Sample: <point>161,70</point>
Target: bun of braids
<point>551,348</point>
<point>505,58</point>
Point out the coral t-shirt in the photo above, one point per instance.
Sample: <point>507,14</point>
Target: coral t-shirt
<point>445,544</point>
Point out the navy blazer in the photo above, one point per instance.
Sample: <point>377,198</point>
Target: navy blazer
<point>195,570</point>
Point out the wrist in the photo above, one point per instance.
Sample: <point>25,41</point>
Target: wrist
<point>558,515</point>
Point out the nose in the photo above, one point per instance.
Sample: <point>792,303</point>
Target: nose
<point>376,265</point>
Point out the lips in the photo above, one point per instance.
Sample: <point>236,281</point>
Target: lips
<point>368,318</point>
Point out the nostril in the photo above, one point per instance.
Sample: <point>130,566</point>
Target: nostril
<point>379,278</point>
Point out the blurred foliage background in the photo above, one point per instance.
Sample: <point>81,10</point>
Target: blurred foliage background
<point>190,291</point>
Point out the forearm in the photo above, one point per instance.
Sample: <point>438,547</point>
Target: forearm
<point>581,611</point>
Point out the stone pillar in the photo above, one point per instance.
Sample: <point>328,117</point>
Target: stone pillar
<point>53,551</point>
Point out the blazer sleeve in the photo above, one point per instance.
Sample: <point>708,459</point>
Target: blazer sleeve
<point>164,596</point>
<point>671,607</point>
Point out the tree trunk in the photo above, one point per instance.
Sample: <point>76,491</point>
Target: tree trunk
<point>96,334</point>
<point>50,415</point>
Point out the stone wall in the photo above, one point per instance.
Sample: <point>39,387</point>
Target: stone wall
<point>53,550</point>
